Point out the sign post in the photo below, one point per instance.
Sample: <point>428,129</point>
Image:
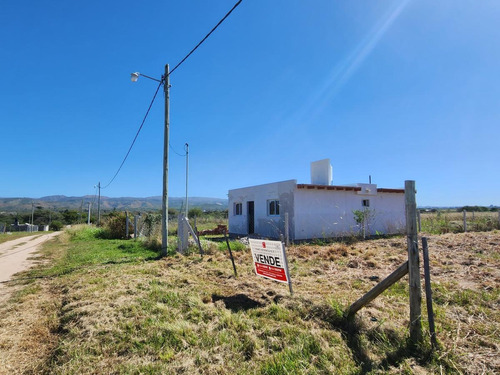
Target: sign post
<point>269,259</point>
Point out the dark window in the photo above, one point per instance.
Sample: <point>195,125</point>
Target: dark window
<point>238,209</point>
<point>273,207</point>
<point>366,203</point>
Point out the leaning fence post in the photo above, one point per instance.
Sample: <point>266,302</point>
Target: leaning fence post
<point>230,254</point>
<point>413,263</point>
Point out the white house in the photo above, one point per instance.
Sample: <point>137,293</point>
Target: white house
<point>316,210</point>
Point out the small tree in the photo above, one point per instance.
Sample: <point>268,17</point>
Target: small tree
<point>195,212</point>
<point>362,218</point>
<point>56,225</point>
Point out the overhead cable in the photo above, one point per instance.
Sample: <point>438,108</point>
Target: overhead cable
<point>137,134</point>
<point>163,81</point>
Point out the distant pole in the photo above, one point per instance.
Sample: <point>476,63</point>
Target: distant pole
<point>88,217</point>
<point>32,214</point>
<point>413,263</point>
<point>99,205</point>
<point>187,169</point>
<point>80,213</point>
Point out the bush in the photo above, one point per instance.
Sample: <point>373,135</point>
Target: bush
<point>56,225</point>
<point>115,226</point>
<point>195,212</point>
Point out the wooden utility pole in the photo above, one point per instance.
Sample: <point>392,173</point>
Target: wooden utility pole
<point>413,263</point>
<point>99,205</point>
<point>164,204</point>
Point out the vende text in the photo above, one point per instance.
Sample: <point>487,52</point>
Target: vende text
<point>268,259</point>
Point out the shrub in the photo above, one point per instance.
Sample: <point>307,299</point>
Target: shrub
<point>56,225</point>
<point>115,226</point>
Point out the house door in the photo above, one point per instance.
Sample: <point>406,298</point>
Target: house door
<point>251,217</point>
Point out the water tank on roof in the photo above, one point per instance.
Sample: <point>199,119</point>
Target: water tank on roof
<point>321,172</point>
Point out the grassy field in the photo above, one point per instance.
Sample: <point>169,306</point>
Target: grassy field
<point>453,222</point>
<point>96,306</point>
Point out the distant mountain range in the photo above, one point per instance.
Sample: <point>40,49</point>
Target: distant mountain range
<point>61,202</point>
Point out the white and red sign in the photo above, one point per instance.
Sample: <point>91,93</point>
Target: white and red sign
<point>269,259</point>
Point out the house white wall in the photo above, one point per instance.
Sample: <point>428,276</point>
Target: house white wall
<point>316,211</point>
<point>329,213</point>
<point>264,224</point>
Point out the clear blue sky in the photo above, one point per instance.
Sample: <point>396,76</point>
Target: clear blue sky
<point>399,90</point>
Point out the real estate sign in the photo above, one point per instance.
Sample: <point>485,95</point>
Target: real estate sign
<point>269,260</point>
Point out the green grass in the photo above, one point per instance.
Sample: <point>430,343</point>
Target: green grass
<point>86,250</point>
<point>124,310</point>
<point>452,222</point>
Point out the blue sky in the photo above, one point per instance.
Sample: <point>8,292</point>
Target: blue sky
<point>399,90</point>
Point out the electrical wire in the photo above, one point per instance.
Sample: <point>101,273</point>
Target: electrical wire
<point>175,152</point>
<point>137,134</point>
<point>162,82</point>
<point>206,36</point>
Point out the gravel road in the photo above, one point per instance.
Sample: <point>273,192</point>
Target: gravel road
<point>14,257</point>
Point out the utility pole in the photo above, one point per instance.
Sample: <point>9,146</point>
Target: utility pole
<point>99,204</point>
<point>88,217</point>
<point>32,214</point>
<point>80,213</point>
<point>164,219</point>
<point>187,169</point>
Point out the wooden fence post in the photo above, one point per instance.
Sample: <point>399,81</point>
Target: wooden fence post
<point>428,292</point>
<point>287,231</point>
<point>465,220</point>
<point>126,225</point>
<point>135,227</point>
<point>413,263</point>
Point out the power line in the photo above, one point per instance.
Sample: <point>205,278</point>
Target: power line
<point>162,82</point>
<point>175,152</point>
<point>206,36</point>
<point>137,134</point>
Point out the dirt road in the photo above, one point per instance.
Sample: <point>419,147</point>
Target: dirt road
<point>14,257</point>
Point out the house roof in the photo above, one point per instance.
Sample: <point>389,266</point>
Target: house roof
<point>345,188</point>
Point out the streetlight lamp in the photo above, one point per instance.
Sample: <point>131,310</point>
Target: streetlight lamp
<point>165,80</point>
